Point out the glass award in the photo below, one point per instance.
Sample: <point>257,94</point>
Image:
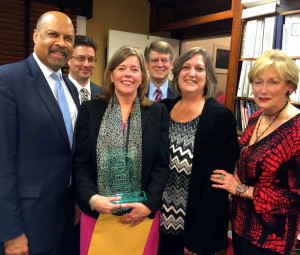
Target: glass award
<point>122,179</point>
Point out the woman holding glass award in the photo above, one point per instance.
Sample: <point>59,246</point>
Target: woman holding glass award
<point>121,161</point>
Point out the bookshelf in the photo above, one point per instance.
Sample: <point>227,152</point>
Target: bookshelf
<point>190,19</point>
<point>281,24</point>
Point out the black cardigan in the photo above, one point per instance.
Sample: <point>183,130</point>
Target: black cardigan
<point>216,147</point>
<point>155,153</point>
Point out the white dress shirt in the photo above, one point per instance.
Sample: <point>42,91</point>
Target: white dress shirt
<point>47,73</point>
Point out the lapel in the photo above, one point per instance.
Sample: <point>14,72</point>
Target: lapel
<point>41,85</point>
<point>93,91</point>
<point>145,115</point>
<point>73,91</point>
<point>170,92</point>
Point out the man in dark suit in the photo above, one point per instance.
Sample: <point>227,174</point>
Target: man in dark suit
<point>37,111</point>
<point>159,62</point>
<point>81,67</point>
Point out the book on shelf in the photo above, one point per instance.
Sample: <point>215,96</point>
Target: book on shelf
<point>243,41</point>
<point>242,79</point>
<point>237,112</point>
<point>242,112</point>
<point>265,9</point>
<point>247,82</point>
<point>260,35</point>
<point>244,84</point>
<point>243,109</point>
<point>284,38</point>
<point>250,39</point>
<point>279,31</point>
<point>269,33</point>
<point>251,3</point>
<point>295,96</point>
<point>291,37</point>
<point>259,38</point>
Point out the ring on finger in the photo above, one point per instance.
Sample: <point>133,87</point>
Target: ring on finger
<point>221,177</point>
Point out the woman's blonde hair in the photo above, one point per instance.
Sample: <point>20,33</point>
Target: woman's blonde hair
<point>286,68</point>
<point>118,57</point>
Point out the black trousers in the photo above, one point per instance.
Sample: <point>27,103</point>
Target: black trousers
<point>242,247</point>
<point>171,245</point>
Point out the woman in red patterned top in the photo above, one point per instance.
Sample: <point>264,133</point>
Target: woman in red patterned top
<point>266,182</point>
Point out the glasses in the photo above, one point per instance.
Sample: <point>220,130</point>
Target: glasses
<point>156,60</point>
<point>82,59</point>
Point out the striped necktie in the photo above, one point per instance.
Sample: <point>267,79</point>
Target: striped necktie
<point>158,95</point>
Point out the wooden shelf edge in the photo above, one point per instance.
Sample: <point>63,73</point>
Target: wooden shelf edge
<point>252,99</point>
<point>254,59</point>
<point>290,12</point>
<point>196,21</point>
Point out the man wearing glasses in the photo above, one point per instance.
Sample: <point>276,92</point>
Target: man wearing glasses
<point>159,60</point>
<point>81,67</point>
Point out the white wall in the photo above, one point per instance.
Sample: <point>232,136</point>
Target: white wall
<point>117,39</point>
<point>81,25</point>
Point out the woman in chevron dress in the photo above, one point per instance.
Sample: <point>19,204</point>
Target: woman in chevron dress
<point>194,216</point>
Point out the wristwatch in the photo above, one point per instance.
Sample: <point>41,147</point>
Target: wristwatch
<point>240,188</point>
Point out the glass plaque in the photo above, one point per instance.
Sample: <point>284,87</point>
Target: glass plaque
<point>122,177</point>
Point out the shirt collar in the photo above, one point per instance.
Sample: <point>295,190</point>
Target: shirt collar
<point>163,88</point>
<point>78,86</point>
<point>45,69</point>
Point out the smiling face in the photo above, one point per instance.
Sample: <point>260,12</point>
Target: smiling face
<point>159,66</point>
<point>192,77</point>
<point>127,77</point>
<point>82,64</point>
<point>53,40</point>
<point>270,90</point>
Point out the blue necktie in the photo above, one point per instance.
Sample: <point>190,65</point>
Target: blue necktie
<point>63,104</point>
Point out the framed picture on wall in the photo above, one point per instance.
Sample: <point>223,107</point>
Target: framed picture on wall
<point>221,58</point>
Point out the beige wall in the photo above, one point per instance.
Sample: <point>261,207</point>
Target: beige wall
<point>125,15</point>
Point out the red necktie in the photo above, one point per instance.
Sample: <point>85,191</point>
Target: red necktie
<point>158,95</point>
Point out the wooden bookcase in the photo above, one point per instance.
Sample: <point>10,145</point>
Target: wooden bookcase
<point>193,18</point>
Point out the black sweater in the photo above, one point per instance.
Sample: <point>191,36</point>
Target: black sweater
<point>216,147</point>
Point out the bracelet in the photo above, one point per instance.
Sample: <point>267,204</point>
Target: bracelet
<point>247,192</point>
<point>93,201</point>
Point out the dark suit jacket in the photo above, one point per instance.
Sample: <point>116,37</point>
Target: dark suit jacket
<point>155,152</point>
<point>35,157</point>
<point>95,90</point>
<point>171,93</point>
<point>215,147</point>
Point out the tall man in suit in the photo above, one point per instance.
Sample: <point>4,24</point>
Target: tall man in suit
<point>81,66</point>
<point>159,61</point>
<point>36,142</point>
